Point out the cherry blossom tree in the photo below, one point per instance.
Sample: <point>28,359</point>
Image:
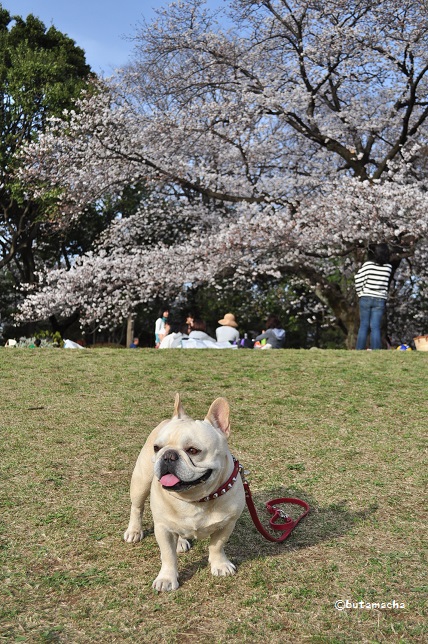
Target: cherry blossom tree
<point>292,137</point>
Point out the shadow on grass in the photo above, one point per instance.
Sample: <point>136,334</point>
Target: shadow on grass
<point>246,543</point>
<point>321,524</point>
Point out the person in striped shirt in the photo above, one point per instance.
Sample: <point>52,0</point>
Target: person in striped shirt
<point>371,284</point>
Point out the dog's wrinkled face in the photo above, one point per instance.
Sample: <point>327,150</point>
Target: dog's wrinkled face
<point>188,453</point>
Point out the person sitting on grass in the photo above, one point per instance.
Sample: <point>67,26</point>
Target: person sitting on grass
<point>198,331</point>
<point>228,331</point>
<point>174,340</point>
<point>274,334</point>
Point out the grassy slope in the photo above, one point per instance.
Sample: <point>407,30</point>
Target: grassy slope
<point>343,430</point>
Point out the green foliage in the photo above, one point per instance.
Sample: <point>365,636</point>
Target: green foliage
<point>42,71</point>
<point>54,337</point>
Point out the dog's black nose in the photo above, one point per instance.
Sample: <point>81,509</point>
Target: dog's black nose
<point>170,455</point>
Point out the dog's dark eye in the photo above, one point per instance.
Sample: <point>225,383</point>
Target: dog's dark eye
<point>193,451</point>
<point>156,448</point>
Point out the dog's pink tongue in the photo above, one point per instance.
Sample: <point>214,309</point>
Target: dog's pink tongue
<point>169,480</point>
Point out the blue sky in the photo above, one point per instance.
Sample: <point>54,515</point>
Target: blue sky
<point>102,28</point>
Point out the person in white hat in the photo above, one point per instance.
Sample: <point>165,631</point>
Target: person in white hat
<point>228,331</point>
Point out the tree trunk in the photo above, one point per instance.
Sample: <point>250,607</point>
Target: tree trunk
<point>344,308</point>
<point>129,330</point>
<point>352,324</point>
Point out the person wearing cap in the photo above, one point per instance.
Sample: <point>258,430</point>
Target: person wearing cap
<point>228,331</point>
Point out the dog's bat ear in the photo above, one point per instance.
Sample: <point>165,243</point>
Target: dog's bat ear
<point>218,415</point>
<point>178,408</point>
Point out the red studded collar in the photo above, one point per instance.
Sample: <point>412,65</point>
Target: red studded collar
<point>226,486</point>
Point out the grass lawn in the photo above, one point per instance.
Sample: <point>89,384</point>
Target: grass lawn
<point>342,430</point>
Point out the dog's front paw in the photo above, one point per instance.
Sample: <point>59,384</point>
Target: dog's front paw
<point>183,545</point>
<point>133,536</point>
<point>223,568</point>
<point>164,583</point>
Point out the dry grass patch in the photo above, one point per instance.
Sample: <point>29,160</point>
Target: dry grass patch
<point>343,430</point>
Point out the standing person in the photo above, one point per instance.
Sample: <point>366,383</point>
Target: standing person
<point>160,326</point>
<point>228,331</point>
<point>371,284</point>
<point>274,334</point>
<point>134,344</point>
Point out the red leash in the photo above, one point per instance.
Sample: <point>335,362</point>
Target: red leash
<point>286,527</point>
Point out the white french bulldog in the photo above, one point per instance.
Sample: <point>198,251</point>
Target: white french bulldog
<point>195,489</point>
